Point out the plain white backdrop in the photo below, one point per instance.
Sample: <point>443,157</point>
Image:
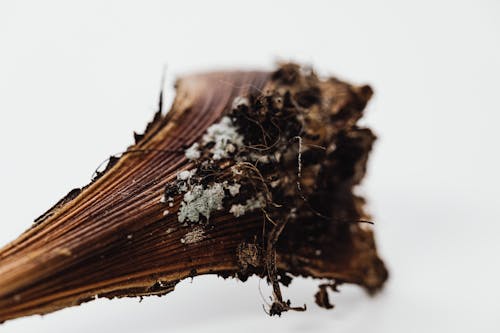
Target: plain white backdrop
<point>76,78</point>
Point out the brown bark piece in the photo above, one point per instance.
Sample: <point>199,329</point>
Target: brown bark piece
<point>301,155</point>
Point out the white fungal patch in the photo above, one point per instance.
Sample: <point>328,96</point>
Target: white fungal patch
<point>185,177</point>
<point>250,205</point>
<point>193,152</point>
<point>194,236</point>
<point>186,174</point>
<point>237,210</point>
<point>240,101</point>
<point>233,189</point>
<point>225,137</point>
<point>236,170</point>
<point>230,148</point>
<point>201,201</point>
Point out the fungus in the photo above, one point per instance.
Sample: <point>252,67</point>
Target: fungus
<point>201,201</point>
<point>249,206</point>
<point>225,138</point>
<point>193,152</point>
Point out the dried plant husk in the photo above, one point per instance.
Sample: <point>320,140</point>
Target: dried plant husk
<point>299,154</point>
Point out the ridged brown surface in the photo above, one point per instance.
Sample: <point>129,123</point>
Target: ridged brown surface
<point>112,239</point>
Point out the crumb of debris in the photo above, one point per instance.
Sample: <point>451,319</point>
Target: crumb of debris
<point>322,298</point>
<point>200,200</point>
<point>248,254</point>
<point>165,212</point>
<point>194,236</point>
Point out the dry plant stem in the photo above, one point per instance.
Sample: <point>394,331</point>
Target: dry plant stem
<point>113,239</point>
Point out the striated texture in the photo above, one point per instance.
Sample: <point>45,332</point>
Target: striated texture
<point>248,173</point>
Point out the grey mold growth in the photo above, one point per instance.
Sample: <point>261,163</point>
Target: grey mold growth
<point>193,152</point>
<point>250,205</point>
<point>225,136</point>
<point>201,201</point>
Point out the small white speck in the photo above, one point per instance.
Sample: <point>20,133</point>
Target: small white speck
<point>170,204</point>
<point>237,210</point>
<point>193,152</point>
<point>240,101</point>
<point>165,212</point>
<point>129,236</point>
<point>184,175</point>
<point>233,189</point>
<point>277,156</point>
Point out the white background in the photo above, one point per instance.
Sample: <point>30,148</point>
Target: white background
<point>77,78</point>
